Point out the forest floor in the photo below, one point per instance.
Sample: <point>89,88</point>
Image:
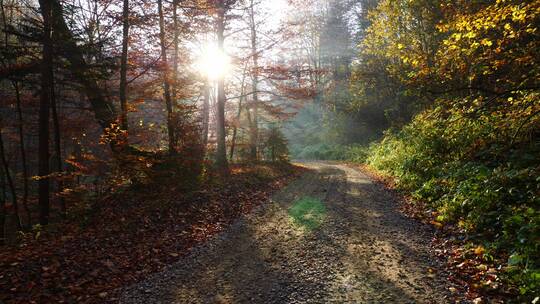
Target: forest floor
<point>331,236</point>
<point>123,237</point>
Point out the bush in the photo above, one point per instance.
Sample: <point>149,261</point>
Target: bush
<point>469,169</point>
<point>354,153</point>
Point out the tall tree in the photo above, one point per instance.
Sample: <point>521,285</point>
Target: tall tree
<point>2,207</point>
<point>24,162</point>
<point>221,152</point>
<point>166,81</point>
<point>239,113</point>
<point>176,32</point>
<point>20,122</point>
<point>254,126</point>
<point>9,178</point>
<point>44,110</point>
<point>205,112</point>
<point>103,108</point>
<point>123,66</point>
<point>58,150</point>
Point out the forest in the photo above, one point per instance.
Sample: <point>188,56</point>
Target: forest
<point>134,132</point>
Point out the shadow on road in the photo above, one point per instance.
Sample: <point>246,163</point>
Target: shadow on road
<point>350,245</point>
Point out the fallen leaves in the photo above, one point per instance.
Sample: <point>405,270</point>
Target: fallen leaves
<point>130,236</point>
<point>437,224</point>
<point>479,250</point>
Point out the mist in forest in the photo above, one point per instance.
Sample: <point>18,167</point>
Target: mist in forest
<point>133,130</point>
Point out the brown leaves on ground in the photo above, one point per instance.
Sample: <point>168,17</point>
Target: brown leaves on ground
<point>129,235</point>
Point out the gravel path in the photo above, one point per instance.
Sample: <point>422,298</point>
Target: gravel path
<point>332,236</point>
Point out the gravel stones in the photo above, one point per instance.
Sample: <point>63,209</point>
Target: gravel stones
<point>363,251</point>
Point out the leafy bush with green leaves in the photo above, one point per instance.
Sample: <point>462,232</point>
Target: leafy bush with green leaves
<point>355,153</point>
<point>474,171</point>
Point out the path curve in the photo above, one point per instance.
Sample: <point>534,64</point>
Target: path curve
<point>331,236</point>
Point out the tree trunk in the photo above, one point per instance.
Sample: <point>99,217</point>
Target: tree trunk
<point>254,126</point>
<point>238,114</point>
<point>123,67</point>
<point>2,208</point>
<point>58,151</point>
<point>233,140</point>
<point>4,21</point>
<point>44,109</point>
<point>175,55</point>
<point>103,109</point>
<point>11,185</point>
<point>166,83</point>
<point>20,131</point>
<point>176,31</point>
<point>206,112</point>
<point>23,154</point>
<point>221,153</point>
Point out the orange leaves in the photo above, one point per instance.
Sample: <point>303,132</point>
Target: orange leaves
<point>479,251</point>
<point>437,224</point>
<point>113,134</point>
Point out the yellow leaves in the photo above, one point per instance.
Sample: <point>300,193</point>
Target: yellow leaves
<point>486,42</point>
<point>482,267</point>
<point>400,46</point>
<point>479,250</point>
<point>518,14</point>
<point>441,27</point>
<point>531,30</point>
<point>412,61</point>
<point>470,35</point>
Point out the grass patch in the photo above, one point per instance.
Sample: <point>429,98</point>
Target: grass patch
<point>308,212</point>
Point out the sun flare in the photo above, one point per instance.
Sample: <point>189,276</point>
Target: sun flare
<point>213,63</point>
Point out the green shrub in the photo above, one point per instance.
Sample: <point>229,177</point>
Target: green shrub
<point>466,168</point>
<point>354,153</point>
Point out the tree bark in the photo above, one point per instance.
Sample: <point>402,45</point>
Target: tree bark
<point>238,114</point>
<point>44,111</point>
<point>175,55</point>
<point>235,130</point>
<point>2,208</point>
<point>103,109</point>
<point>254,126</point>
<point>11,185</point>
<point>123,67</point>
<point>58,151</point>
<point>23,154</point>
<point>166,82</point>
<point>15,85</point>
<point>206,112</point>
<point>221,153</point>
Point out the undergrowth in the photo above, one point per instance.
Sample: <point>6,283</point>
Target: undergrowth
<point>479,175</point>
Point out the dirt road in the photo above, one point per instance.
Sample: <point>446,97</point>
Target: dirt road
<point>332,236</point>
